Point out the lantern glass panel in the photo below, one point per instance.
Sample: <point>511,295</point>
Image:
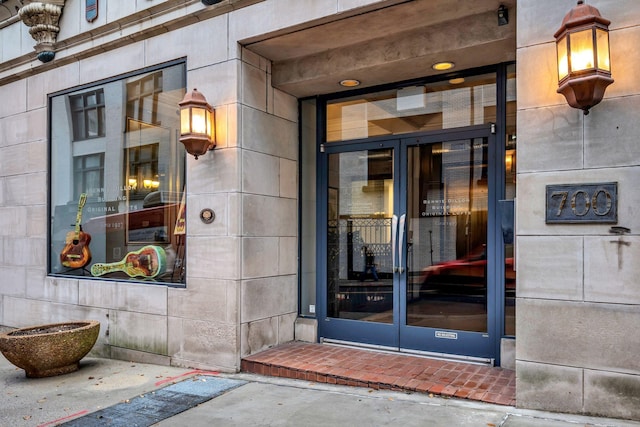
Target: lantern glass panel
<point>198,120</point>
<point>563,63</point>
<point>210,124</point>
<point>602,39</point>
<point>582,52</point>
<point>185,122</point>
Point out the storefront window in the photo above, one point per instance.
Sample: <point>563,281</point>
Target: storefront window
<point>510,194</point>
<point>117,179</point>
<point>433,106</point>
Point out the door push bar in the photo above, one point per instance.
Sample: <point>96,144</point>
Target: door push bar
<point>394,232</point>
<point>401,243</point>
<point>395,227</point>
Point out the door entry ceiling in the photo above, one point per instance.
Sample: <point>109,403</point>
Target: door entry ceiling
<point>388,42</point>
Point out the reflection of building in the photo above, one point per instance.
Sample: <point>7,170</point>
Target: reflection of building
<point>120,138</point>
<point>306,172</point>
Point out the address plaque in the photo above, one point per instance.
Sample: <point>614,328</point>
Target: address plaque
<point>582,203</point>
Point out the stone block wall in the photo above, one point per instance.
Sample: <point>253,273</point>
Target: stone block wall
<point>578,289</point>
<point>241,293</point>
<point>269,288</point>
<point>198,326</point>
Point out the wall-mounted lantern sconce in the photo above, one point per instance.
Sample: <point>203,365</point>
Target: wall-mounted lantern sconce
<point>197,124</point>
<point>503,15</point>
<point>584,68</point>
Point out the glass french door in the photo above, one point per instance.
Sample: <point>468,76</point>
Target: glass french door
<point>448,282</point>
<point>362,293</point>
<point>410,262</point>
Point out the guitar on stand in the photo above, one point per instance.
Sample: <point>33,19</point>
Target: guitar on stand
<point>180,232</point>
<point>76,253</point>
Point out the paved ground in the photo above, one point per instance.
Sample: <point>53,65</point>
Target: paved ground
<point>98,384</point>
<point>267,401</point>
<point>117,393</point>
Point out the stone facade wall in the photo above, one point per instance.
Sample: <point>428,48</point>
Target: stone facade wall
<point>578,289</point>
<point>578,292</point>
<point>241,294</point>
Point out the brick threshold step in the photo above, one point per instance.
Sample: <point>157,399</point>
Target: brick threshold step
<point>384,371</point>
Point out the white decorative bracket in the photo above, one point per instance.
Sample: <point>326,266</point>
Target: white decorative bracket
<point>42,18</point>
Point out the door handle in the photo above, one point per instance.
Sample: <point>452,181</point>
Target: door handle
<point>401,243</point>
<point>394,231</point>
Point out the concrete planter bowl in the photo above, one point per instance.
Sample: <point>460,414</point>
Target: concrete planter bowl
<point>48,350</point>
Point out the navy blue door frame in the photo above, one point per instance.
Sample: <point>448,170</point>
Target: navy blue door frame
<point>496,182</point>
<point>398,335</point>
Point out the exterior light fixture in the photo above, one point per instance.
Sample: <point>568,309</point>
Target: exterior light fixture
<point>443,66</point>
<point>150,184</point>
<point>197,124</point>
<point>503,15</point>
<point>349,82</point>
<point>584,68</point>
<point>210,2</point>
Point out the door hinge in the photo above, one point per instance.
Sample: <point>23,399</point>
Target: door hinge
<point>493,128</point>
<point>322,148</point>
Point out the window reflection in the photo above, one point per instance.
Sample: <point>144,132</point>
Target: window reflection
<point>441,105</point>
<point>118,177</point>
<point>88,114</point>
<point>510,194</point>
<point>447,229</point>
<point>359,257</point>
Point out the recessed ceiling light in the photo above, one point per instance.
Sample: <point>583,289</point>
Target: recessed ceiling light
<point>457,81</point>
<point>349,82</point>
<point>443,66</point>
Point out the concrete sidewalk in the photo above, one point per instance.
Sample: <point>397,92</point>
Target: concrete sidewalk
<point>267,401</point>
<point>98,384</point>
<point>140,392</point>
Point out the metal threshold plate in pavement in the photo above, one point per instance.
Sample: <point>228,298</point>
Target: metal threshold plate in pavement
<point>155,406</point>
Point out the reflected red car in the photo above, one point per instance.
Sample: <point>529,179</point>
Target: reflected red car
<point>463,276</point>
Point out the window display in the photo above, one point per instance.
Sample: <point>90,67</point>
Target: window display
<point>117,179</point>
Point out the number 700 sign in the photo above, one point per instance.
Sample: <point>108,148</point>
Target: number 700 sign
<point>579,203</point>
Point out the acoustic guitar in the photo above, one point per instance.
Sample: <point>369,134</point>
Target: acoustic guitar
<point>76,253</point>
<point>148,261</point>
